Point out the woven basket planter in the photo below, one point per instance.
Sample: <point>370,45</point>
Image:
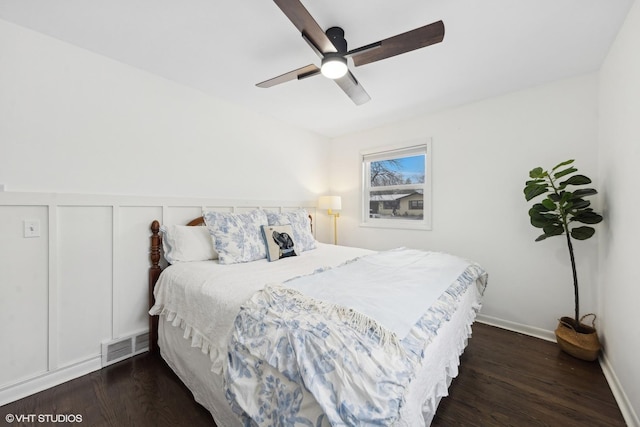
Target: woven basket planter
<point>584,345</point>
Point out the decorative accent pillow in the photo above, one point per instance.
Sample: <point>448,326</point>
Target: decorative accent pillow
<point>299,220</point>
<point>182,243</point>
<point>279,241</point>
<point>237,237</point>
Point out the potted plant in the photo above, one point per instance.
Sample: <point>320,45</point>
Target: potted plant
<point>565,211</point>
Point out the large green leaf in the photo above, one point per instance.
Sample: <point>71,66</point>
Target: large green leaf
<point>549,204</point>
<point>539,207</point>
<point>537,173</point>
<point>587,217</point>
<point>582,192</point>
<point>541,220</point>
<point>566,162</point>
<point>534,190</point>
<point>553,230</point>
<point>564,172</point>
<point>582,233</point>
<point>535,181</point>
<point>541,237</point>
<point>576,180</point>
<point>546,214</point>
<point>577,203</point>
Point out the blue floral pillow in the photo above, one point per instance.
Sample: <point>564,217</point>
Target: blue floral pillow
<point>237,237</point>
<point>301,225</point>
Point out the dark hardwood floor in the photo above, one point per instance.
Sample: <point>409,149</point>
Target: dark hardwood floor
<point>506,379</point>
<point>510,379</point>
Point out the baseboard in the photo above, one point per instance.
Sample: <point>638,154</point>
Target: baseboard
<point>628,413</point>
<point>517,327</point>
<point>47,380</point>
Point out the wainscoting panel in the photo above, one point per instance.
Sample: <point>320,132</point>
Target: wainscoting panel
<point>85,265</point>
<point>23,294</point>
<point>130,274</point>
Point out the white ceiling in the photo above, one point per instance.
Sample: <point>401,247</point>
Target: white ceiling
<point>224,48</point>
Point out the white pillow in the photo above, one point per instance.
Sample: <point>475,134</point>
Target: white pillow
<point>183,243</point>
<point>301,225</point>
<point>237,237</point>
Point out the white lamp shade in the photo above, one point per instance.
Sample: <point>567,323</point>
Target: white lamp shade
<point>330,202</point>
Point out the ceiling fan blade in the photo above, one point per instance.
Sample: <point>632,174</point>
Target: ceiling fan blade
<point>363,49</point>
<point>304,22</point>
<point>354,90</point>
<point>312,45</point>
<point>300,73</point>
<point>405,42</point>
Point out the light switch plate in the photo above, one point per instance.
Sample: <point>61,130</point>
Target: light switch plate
<point>31,228</point>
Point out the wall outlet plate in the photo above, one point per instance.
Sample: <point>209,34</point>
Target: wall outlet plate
<point>3,187</point>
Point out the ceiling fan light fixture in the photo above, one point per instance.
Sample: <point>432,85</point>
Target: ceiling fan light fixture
<point>334,66</point>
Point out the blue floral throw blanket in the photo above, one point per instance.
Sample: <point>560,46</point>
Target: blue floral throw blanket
<point>293,345</point>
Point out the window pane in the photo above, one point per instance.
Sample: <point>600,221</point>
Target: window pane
<point>403,170</point>
<point>398,204</point>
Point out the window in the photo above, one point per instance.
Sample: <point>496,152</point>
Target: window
<point>416,204</point>
<point>396,186</point>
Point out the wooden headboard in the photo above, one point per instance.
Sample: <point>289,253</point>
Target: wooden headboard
<point>155,254</point>
<point>196,221</point>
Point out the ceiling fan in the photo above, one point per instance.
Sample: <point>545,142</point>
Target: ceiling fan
<point>331,47</point>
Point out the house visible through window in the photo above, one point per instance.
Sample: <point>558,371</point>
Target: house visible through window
<point>396,186</point>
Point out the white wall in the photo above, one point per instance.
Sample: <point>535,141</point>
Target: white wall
<point>74,122</point>
<point>482,154</point>
<point>619,157</point>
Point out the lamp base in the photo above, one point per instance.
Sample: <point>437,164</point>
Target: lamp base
<point>335,225</point>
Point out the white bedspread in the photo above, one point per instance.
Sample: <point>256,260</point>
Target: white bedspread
<point>203,298</point>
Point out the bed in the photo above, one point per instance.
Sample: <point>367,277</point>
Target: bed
<point>331,336</point>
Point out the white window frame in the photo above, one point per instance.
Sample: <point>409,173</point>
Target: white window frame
<point>406,149</point>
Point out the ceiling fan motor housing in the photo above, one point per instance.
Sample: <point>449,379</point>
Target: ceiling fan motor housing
<point>336,35</point>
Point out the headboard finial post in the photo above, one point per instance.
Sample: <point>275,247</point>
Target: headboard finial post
<point>154,274</point>
<point>155,245</point>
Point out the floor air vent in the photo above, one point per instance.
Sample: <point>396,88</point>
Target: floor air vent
<point>123,348</point>
<point>141,343</point>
